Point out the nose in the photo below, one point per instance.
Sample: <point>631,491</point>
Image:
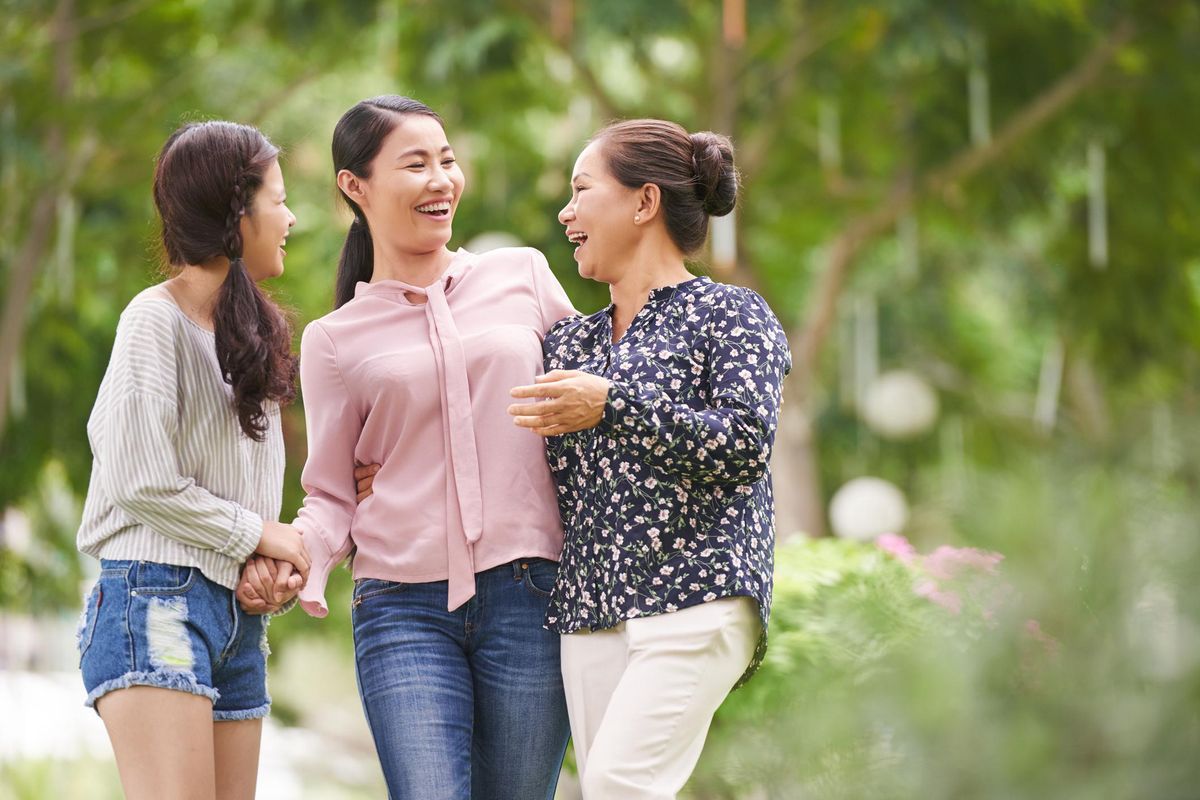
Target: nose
<point>567,214</point>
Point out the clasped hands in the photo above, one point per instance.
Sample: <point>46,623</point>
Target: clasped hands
<point>276,572</point>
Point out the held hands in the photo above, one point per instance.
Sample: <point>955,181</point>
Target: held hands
<point>276,572</point>
<point>267,584</point>
<point>573,401</point>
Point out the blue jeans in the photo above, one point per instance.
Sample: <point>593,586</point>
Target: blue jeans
<point>467,703</point>
<point>151,624</point>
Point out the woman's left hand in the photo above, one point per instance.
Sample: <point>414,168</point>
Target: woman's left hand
<point>572,401</point>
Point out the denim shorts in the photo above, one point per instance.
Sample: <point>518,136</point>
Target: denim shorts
<point>150,624</point>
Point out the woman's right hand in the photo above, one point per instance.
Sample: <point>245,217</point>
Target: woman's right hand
<point>284,543</point>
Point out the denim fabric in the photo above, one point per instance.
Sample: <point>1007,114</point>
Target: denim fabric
<point>150,624</point>
<point>466,703</point>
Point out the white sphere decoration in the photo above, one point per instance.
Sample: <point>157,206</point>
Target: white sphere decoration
<point>899,405</point>
<point>865,508</point>
<point>492,240</point>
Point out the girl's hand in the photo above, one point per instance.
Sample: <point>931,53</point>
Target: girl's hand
<point>266,585</point>
<point>364,479</point>
<point>284,543</point>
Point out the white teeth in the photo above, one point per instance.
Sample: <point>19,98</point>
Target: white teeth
<point>442,206</point>
<point>577,237</point>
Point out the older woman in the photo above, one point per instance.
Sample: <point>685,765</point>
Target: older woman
<point>660,413</point>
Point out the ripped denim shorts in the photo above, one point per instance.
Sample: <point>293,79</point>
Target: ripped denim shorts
<point>150,624</point>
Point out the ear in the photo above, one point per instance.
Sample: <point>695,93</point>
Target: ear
<point>353,187</point>
<point>649,203</point>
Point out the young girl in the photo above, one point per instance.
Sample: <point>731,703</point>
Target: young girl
<point>187,478</point>
<point>456,549</point>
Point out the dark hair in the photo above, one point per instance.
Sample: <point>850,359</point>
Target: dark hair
<point>357,138</point>
<point>694,172</point>
<point>204,183</point>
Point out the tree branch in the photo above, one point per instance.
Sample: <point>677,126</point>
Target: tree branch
<point>858,232</point>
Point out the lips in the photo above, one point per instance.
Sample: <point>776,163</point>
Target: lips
<point>438,209</point>
<point>577,238</point>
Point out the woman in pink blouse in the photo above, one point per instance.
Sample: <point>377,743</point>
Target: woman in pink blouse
<point>455,552</point>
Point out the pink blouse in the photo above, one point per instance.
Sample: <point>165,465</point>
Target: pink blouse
<point>422,389</point>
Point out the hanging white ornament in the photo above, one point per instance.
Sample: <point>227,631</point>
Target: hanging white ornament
<point>866,345</point>
<point>866,508</point>
<point>1097,207</point>
<point>899,405</point>
<point>724,242</point>
<point>829,136</point>
<point>978,92</point>
<point>1045,410</point>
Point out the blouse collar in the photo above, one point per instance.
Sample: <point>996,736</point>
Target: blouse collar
<point>459,264</point>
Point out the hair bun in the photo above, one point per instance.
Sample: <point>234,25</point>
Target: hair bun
<point>716,176</point>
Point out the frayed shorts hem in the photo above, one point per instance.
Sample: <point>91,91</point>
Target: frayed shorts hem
<point>249,713</point>
<point>165,679</point>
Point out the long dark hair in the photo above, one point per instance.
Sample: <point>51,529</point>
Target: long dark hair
<point>357,138</point>
<point>204,183</point>
<point>694,172</point>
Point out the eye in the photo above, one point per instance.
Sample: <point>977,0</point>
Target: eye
<point>415,166</point>
<point>447,162</point>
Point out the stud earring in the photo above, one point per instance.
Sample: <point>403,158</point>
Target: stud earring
<point>637,217</point>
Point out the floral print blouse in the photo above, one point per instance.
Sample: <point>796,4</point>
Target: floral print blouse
<point>667,503</point>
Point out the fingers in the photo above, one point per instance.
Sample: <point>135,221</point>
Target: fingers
<point>534,409</point>
<point>283,578</point>
<point>557,375</point>
<point>365,471</point>
<point>258,573</point>
<point>554,388</point>
<point>295,582</point>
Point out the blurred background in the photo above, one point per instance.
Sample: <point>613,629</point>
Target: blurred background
<point>979,222</point>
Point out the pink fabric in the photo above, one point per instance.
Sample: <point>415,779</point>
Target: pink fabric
<point>423,390</point>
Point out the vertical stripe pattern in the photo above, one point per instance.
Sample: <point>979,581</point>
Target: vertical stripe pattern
<point>174,479</point>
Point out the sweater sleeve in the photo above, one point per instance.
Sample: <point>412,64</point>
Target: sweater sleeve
<point>133,441</point>
<point>334,427</point>
<point>729,439</point>
<point>553,302</point>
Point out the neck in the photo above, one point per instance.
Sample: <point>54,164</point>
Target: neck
<point>648,272</point>
<point>197,287</point>
<point>415,269</point>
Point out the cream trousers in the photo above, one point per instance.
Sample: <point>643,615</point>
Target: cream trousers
<point>642,695</point>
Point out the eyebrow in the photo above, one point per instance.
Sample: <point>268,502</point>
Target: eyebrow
<point>422,153</point>
<point>578,176</point>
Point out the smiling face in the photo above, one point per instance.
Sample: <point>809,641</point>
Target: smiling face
<point>599,218</point>
<point>265,227</point>
<point>414,186</point>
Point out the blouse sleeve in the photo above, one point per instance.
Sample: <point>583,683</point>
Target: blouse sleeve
<point>334,427</point>
<point>133,441</point>
<point>730,439</point>
<point>553,302</point>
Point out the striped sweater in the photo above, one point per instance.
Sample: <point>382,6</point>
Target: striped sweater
<point>174,479</point>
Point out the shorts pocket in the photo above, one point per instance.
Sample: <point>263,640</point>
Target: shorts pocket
<point>149,577</point>
<point>538,575</point>
<point>87,620</point>
<point>366,588</point>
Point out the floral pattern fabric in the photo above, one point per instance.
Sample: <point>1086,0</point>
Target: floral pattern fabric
<point>667,503</point>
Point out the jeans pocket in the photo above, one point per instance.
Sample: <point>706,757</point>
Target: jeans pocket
<point>87,620</point>
<point>150,577</point>
<point>538,575</point>
<point>366,588</point>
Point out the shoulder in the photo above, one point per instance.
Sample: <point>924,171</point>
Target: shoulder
<point>519,260</point>
<point>151,316</point>
<point>575,327</point>
<point>729,302</point>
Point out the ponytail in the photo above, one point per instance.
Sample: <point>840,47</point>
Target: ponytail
<point>357,262</point>
<point>253,337</point>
